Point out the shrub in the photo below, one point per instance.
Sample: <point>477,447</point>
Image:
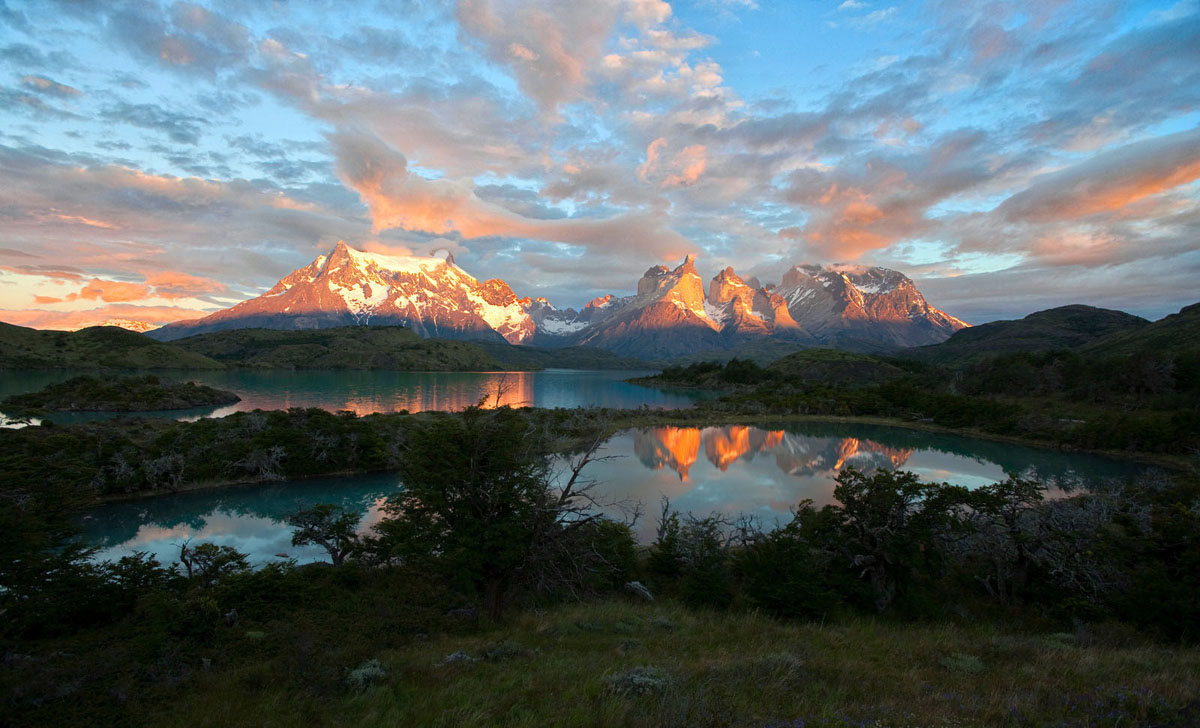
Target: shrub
<point>639,681</point>
<point>365,675</point>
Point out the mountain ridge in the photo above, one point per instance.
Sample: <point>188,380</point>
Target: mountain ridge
<point>672,313</point>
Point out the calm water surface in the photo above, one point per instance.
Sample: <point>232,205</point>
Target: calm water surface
<point>727,469</point>
<point>366,392</point>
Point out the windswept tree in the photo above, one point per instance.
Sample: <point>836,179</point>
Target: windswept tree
<point>481,499</point>
<point>889,521</point>
<point>331,527</point>
<point>1004,518</point>
<point>207,563</point>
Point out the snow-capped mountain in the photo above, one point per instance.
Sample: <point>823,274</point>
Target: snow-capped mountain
<point>432,296</point>
<point>842,305</point>
<point>670,315</point>
<point>129,324</point>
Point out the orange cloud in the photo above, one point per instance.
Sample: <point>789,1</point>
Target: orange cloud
<point>46,299</point>
<point>1109,181</point>
<point>111,291</point>
<point>396,198</point>
<point>30,270</point>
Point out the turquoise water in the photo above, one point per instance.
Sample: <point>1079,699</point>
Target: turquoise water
<point>728,469</point>
<point>366,392</point>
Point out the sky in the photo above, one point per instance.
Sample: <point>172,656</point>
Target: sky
<point>163,159</point>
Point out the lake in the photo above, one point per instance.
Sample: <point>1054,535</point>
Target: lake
<point>727,469</point>
<point>367,392</point>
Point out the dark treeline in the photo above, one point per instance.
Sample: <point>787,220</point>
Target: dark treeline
<point>892,544</point>
<point>1142,403</point>
<point>117,394</point>
<point>155,455</point>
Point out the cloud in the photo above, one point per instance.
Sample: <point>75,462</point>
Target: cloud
<point>43,85</point>
<point>189,38</point>
<point>176,284</point>
<point>1109,181</point>
<point>548,46</point>
<point>872,202</point>
<point>33,105</point>
<point>873,19</point>
<point>684,168</point>
<point>398,198</point>
<point>178,127</point>
<point>72,320</point>
<point>110,291</point>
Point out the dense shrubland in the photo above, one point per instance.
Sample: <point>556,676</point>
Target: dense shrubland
<point>486,527</point>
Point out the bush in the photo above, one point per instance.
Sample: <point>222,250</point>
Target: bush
<point>365,675</point>
<point>639,681</point>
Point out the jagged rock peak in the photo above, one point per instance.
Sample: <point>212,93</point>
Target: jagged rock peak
<point>688,265</point>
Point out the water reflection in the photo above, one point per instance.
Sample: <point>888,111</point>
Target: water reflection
<point>729,469</point>
<point>367,392</point>
<point>249,518</point>
<point>767,471</point>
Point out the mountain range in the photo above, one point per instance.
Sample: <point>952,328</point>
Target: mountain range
<point>854,307</point>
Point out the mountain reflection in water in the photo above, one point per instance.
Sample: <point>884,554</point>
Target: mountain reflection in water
<point>678,448</point>
<point>731,470</point>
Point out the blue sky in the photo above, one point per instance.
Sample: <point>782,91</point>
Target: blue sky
<point>159,159</point>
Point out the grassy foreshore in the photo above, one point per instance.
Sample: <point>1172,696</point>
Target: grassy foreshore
<point>630,664</point>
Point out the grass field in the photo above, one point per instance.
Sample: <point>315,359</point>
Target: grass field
<point>620,664</point>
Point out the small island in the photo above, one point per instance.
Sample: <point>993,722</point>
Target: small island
<point>120,394</point>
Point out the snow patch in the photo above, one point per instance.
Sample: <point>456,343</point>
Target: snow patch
<point>363,298</point>
<point>560,327</point>
<point>874,287</point>
<point>504,319</point>
<point>716,313</point>
<point>411,264</point>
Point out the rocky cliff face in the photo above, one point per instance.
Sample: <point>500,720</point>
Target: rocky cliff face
<point>670,315</point>
<point>845,304</point>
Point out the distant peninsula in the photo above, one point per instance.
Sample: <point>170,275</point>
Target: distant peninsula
<point>120,394</point>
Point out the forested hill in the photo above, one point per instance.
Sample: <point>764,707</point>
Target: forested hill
<point>1065,327</point>
<point>350,347</point>
<point>97,347</point>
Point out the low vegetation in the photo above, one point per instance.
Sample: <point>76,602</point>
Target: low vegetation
<point>492,594</point>
<point>1065,327</point>
<point>569,357</point>
<point>352,347</point>
<point>119,394</point>
<point>98,347</point>
<point>393,348</point>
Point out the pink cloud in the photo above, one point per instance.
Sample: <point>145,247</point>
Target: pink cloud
<point>71,320</point>
<point>398,198</point>
<point>175,284</point>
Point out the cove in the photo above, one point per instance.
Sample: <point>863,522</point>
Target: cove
<point>729,469</point>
